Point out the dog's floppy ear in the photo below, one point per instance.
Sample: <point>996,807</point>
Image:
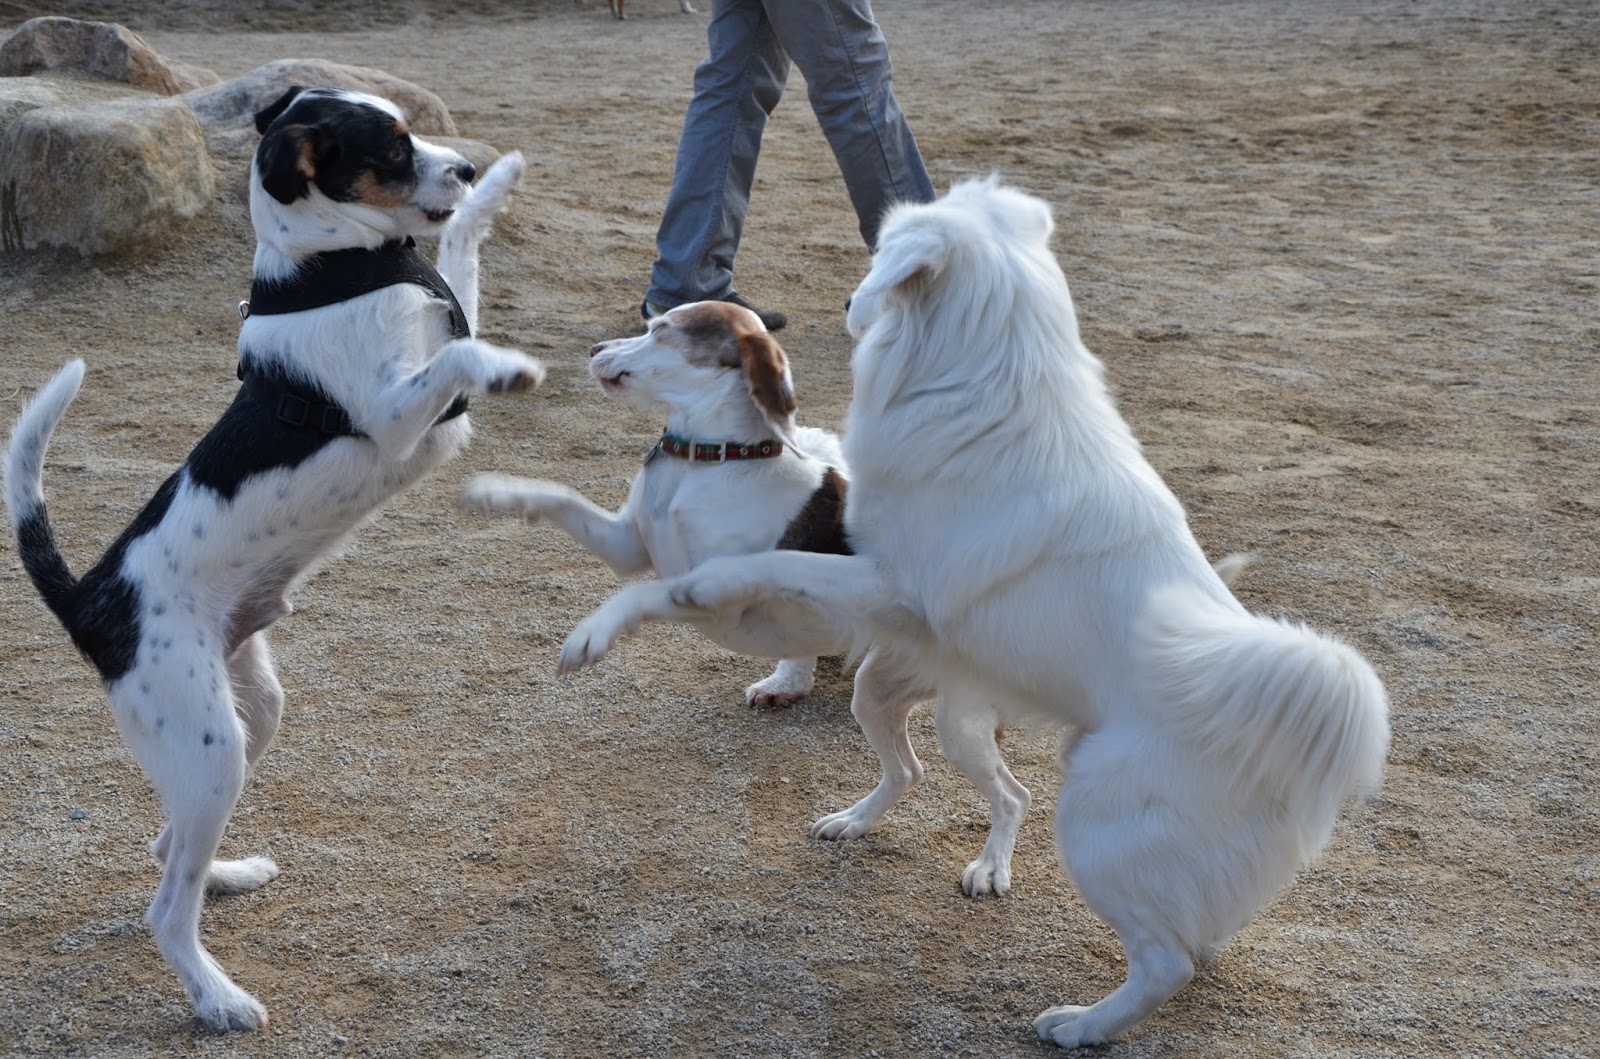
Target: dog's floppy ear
<point>906,257</point>
<point>287,160</point>
<point>767,371</point>
<point>265,118</point>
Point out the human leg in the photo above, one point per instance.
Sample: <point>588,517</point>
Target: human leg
<point>841,51</point>
<point>736,88</point>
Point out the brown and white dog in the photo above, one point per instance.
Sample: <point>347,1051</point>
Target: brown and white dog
<point>732,475</point>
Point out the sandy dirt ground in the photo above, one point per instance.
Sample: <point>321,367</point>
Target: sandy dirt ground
<point>1341,262</point>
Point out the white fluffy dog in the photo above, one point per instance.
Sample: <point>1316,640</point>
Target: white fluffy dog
<point>1015,547</point>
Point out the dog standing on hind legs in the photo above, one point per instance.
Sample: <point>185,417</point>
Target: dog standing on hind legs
<point>1015,549</point>
<point>356,359</point>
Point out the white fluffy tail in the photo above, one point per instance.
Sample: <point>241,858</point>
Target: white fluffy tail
<point>1285,713</point>
<point>31,436</point>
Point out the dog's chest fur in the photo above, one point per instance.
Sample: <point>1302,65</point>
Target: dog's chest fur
<point>689,513</point>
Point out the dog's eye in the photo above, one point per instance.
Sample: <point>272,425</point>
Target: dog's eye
<point>399,152</point>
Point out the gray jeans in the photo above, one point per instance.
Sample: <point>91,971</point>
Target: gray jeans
<point>845,61</point>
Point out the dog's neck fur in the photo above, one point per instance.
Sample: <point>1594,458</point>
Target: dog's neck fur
<point>286,235</point>
<point>723,412</point>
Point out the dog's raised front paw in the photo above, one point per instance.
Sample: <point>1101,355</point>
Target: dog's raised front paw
<point>588,643</point>
<point>502,175</point>
<point>504,494</point>
<point>489,196</point>
<point>495,369</point>
<point>520,374</point>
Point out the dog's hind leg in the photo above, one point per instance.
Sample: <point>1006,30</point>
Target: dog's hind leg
<point>259,701</point>
<point>184,732</point>
<point>969,735</point>
<point>886,691</point>
<point>788,684</point>
<point>1125,825</point>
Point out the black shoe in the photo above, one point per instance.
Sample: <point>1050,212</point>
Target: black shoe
<point>770,319</point>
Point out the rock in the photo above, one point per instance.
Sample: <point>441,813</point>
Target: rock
<point>96,49</point>
<point>101,177</point>
<point>18,95</point>
<point>227,111</point>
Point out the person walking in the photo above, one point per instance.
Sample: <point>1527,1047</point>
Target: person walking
<point>844,59</point>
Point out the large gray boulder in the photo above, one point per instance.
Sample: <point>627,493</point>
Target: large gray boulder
<point>102,177</point>
<point>90,160</point>
<point>101,50</point>
<point>227,111</point>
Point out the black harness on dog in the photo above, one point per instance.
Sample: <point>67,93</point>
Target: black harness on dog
<point>327,279</point>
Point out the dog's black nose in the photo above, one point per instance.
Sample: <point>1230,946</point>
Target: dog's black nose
<point>466,171</point>
<point>597,347</point>
<point>847,302</point>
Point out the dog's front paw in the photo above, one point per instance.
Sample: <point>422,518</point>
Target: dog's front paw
<point>488,197</point>
<point>505,494</point>
<point>986,877</point>
<point>1069,1025</point>
<point>845,824</point>
<point>589,642</point>
<point>788,684</point>
<point>499,370</point>
<point>619,616</point>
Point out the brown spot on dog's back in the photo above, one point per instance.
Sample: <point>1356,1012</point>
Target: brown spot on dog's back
<point>819,527</point>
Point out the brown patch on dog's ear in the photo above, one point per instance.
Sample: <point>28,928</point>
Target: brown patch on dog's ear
<point>287,161</point>
<point>765,367</point>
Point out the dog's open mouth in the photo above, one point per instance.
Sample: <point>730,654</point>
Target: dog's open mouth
<point>437,216</point>
<point>611,383</point>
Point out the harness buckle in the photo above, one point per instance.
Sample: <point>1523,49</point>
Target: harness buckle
<point>293,410</point>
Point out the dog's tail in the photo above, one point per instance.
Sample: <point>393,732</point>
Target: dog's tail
<point>30,522</point>
<point>1289,716</point>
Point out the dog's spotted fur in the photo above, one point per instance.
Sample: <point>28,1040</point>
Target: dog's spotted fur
<point>174,615</point>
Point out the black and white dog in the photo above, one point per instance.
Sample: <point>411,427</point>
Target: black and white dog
<point>356,359</point>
